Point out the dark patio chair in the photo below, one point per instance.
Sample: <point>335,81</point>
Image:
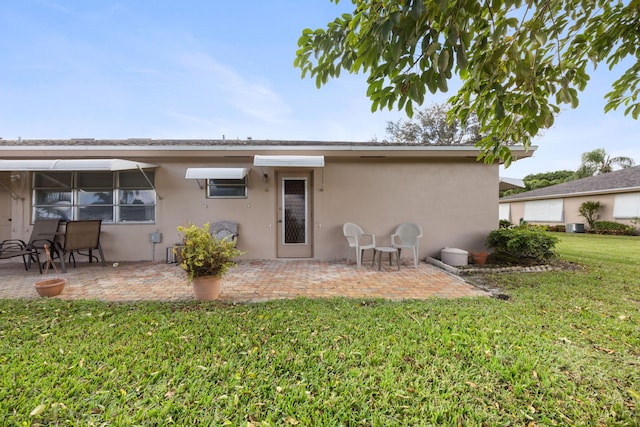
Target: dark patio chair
<point>14,248</point>
<point>80,236</point>
<point>44,232</point>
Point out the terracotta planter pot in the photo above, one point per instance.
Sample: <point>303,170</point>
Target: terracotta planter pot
<point>206,288</point>
<point>479,258</point>
<point>50,288</point>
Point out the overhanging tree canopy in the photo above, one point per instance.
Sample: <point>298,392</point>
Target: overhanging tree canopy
<point>430,126</point>
<point>518,59</point>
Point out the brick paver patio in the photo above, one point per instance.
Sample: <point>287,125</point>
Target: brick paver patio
<point>251,281</point>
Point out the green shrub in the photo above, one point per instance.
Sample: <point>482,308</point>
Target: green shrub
<point>612,227</point>
<point>557,228</point>
<point>589,210</point>
<point>202,254</point>
<point>504,223</point>
<point>523,242</point>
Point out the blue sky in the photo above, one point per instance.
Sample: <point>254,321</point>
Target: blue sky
<point>204,69</point>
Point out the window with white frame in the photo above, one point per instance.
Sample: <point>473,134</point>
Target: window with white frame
<point>136,197</point>
<point>544,210</point>
<point>94,195</point>
<point>227,188</point>
<point>626,206</point>
<point>113,197</point>
<point>504,211</point>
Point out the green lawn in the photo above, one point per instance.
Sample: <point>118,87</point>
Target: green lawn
<point>563,350</point>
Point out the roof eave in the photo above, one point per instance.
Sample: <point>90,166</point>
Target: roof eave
<point>340,150</point>
<point>577,194</point>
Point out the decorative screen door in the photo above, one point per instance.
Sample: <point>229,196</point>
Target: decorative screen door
<point>294,215</point>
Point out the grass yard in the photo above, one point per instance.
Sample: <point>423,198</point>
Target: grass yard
<point>563,350</point>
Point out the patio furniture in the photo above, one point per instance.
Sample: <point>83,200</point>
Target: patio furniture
<point>358,240</point>
<point>406,237</point>
<point>14,248</point>
<point>43,233</point>
<point>80,236</point>
<point>386,250</point>
<point>224,230</point>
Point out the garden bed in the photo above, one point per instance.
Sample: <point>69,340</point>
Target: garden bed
<point>497,264</point>
<point>491,268</point>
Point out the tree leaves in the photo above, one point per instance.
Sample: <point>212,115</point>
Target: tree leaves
<point>598,162</point>
<point>432,125</point>
<point>444,61</point>
<point>517,63</point>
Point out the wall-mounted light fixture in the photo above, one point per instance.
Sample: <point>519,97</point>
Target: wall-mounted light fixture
<point>265,179</point>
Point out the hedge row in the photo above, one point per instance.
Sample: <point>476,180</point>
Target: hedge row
<point>612,227</point>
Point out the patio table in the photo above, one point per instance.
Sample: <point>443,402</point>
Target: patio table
<point>379,250</point>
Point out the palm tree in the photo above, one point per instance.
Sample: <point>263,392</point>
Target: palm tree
<point>598,161</point>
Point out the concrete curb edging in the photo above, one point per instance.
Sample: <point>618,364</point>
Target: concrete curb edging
<point>487,270</point>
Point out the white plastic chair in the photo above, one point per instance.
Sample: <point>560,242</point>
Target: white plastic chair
<point>224,230</point>
<point>354,235</point>
<point>406,237</point>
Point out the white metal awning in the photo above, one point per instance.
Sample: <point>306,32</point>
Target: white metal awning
<point>73,165</point>
<point>216,173</point>
<point>291,161</point>
<point>510,183</point>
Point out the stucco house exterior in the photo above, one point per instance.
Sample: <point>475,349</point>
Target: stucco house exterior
<point>290,198</point>
<point>617,191</point>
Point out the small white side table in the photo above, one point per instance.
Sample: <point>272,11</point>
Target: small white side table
<point>387,250</point>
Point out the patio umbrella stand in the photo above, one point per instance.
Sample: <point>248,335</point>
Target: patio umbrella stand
<point>50,287</point>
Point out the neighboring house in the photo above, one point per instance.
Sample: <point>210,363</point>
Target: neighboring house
<point>290,198</point>
<point>618,192</point>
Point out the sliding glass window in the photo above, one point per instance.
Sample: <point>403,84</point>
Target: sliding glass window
<point>113,197</point>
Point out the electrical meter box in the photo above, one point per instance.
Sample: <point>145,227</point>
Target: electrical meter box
<point>155,237</point>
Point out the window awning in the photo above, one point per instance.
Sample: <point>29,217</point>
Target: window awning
<point>216,173</point>
<point>510,183</point>
<point>291,161</point>
<point>73,165</point>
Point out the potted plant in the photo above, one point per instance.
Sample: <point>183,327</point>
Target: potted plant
<point>205,259</point>
<point>480,257</point>
<point>50,287</point>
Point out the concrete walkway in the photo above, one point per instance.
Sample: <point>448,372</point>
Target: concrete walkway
<point>251,281</point>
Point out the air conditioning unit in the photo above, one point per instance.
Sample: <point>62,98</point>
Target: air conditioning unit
<point>172,257</point>
<point>574,228</point>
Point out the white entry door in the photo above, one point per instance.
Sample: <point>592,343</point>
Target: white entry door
<point>294,214</point>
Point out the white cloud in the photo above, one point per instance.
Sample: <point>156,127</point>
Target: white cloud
<point>244,93</point>
<point>186,118</point>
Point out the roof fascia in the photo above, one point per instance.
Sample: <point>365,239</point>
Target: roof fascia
<point>578,194</point>
<point>352,150</point>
